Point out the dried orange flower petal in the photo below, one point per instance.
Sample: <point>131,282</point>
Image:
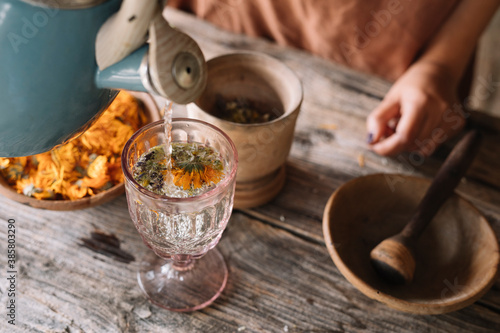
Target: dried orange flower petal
<point>84,166</point>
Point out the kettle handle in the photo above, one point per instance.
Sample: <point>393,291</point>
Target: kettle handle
<point>124,31</point>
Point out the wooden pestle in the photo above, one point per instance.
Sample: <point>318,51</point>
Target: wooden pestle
<point>393,258</point>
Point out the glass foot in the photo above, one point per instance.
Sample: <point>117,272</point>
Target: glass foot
<point>185,288</point>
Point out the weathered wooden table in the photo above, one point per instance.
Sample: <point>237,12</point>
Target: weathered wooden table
<point>281,276</point>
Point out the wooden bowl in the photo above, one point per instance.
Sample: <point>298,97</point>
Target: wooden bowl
<point>152,113</point>
<point>457,256</point>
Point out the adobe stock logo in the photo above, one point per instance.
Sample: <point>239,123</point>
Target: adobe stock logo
<point>31,26</point>
<point>363,36</point>
<point>452,288</point>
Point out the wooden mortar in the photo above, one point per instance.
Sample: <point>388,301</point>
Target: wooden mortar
<point>262,148</point>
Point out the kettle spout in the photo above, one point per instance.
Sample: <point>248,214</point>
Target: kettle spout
<point>172,65</point>
<point>131,73</point>
<point>177,67</point>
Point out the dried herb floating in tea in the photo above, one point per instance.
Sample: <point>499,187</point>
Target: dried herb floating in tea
<point>243,111</point>
<point>195,169</point>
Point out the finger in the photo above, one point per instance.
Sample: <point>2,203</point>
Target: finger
<point>377,121</point>
<point>391,145</point>
<point>408,128</point>
<point>412,122</point>
<point>390,130</point>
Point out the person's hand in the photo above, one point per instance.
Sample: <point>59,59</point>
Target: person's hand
<point>419,112</point>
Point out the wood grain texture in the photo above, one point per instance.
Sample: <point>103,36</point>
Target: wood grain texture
<point>272,285</point>
<point>394,257</point>
<point>124,32</point>
<point>167,49</point>
<point>262,148</point>
<point>281,276</point>
<point>456,257</point>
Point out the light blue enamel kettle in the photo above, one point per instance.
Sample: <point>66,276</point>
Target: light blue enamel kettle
<point>61,62</point>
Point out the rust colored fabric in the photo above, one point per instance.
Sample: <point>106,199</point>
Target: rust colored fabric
<point>381,37</point>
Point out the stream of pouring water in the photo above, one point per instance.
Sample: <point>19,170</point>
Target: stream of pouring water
<point>169,188</point>
<point>167,145</point>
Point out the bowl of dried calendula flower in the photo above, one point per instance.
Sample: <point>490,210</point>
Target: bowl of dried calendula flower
<point>86,171</point>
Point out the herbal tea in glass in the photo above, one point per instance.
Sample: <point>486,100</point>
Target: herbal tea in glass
<point>180,204</point>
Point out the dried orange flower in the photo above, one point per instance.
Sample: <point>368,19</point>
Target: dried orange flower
<point>84,166</point>
<point>193,166</point>
<point>196,177</point>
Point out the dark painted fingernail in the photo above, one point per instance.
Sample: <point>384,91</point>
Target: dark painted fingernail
<point>369,138</point>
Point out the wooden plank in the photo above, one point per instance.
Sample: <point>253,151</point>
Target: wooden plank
<point>299,207</point>
<point>278,281</point>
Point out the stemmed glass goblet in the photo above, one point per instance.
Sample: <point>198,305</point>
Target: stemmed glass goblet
<point>185,272</point>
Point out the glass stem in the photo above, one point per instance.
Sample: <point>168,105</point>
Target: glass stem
<point>182,262</point>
